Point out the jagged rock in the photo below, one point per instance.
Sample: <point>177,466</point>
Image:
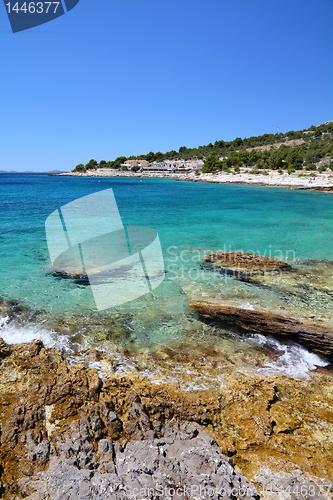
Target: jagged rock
<point>4,349</point>
<point>294,485</point>
<point>187,464</point>
<point>244,265</point>
<point>317,338</point>
<point>69,444</point>
<point>112,420</point>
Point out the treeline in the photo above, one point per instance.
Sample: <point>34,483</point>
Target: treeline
<point>291,158</point>
<point>93,164</point>
<point>318,143</point>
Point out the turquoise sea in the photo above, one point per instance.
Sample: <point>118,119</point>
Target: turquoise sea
<point>192,219</point>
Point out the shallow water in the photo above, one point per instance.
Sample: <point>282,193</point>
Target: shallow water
<point>159,333</point>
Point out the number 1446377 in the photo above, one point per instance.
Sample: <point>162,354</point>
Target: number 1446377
<point>33,7</point>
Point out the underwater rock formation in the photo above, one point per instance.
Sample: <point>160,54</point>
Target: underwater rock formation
<point>317,338</point>
<point>245,266</point>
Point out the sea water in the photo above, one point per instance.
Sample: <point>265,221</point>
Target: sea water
<point>192,219</point>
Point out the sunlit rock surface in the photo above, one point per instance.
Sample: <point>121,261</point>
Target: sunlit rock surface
<point>54,413</point>
<point>245,265</point>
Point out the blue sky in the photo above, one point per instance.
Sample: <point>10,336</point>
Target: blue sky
<point>122,77</point>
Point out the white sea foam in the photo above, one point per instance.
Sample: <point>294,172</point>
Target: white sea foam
<point>293,360</point>
<point>246,305</point>
<point>4,321</point>
<point>14,333</point>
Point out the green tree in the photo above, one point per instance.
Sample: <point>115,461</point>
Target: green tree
<point>275,160</point>
<point>118,161</point>
<point>211,164</point>
<point>172,154</point>
<point>150,156</point>
<point>253,157</point>
<point>260,164</point>
<point>91,165</point>
<point>244,156</point>
<point>159,156</point>
<point>79,168</point>
<point>237,142</point>
<point>233,159</point>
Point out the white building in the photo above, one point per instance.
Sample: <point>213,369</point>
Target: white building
<point>135,163</point>
<point>184,164</point>
<point>158,167</point>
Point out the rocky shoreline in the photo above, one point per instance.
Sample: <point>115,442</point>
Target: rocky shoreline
<point>316,338</point>
<point>271,273</point>
<point>67,433</point>
<point>73,426</point>
<point>318,182</point>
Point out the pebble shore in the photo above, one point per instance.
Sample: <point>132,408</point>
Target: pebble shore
<point>320,182</point>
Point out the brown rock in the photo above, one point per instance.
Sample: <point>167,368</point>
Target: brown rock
<point>244,265</point>
<point>317,338</point>
<point>49,410</point>
<point>4,349</point>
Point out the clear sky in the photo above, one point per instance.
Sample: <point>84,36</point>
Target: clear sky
<point>123,77</point>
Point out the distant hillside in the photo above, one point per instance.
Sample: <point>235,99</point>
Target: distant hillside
<point>294,150</point>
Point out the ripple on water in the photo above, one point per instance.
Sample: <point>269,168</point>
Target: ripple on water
<point>198,359</point>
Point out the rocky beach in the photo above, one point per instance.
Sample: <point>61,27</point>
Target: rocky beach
<point>315,181</point>
<point>218,384</point>
<point>73,427</point>
<point>166,250</point>
<point>67,433</point>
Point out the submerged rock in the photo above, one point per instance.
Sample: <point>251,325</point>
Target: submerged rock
<point>304,291</point>
<point>317,338</point>
<point>244,266</point>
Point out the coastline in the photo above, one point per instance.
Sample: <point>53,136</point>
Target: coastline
<point>317,182</point>
<point>78,418</point>
<point>77,430</point>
